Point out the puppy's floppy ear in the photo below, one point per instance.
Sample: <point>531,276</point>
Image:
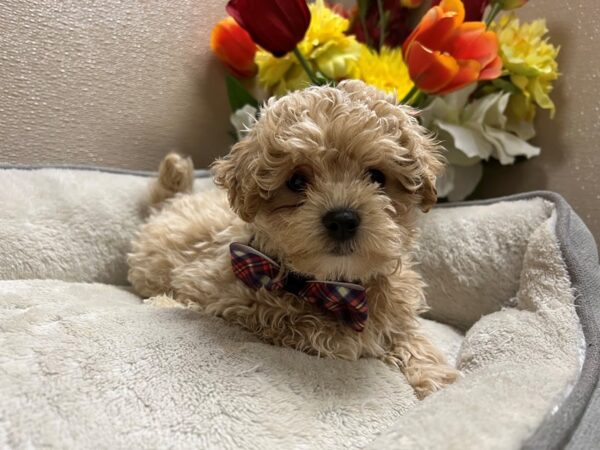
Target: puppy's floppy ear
<point>428,160</point>
<point>236,173</point>
<point>418,170</point>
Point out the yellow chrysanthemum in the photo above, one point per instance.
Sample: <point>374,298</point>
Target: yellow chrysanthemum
<point>385,70</point>
<point>325,47</point>
<point>531,63</point>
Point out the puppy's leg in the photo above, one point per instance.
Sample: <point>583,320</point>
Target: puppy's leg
<point>422,364</point>
<point>299,328</point>
<point>175,175</point>
<point>163,301</point>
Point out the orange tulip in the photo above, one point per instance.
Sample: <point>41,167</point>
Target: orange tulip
<point>474,9</point>
<point>234,47</point>
<point>444,53</point>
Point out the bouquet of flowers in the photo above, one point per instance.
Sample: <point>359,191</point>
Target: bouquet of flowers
<point>477,73</point>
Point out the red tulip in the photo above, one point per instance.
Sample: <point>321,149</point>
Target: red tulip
<point>474,9</point>
<point>443,54</point>
<point>234,46</point>
<point>276,25</point>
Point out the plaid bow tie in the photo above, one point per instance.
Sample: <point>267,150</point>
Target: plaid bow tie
<point>347,301</point>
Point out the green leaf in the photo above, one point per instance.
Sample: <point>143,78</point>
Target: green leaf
<point>363,5</point>
<point>386,18</point>
<point>238,95</point>
<point>499,84</point>
<point>505,85</point>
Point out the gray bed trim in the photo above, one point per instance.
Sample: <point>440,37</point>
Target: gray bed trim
<point>573,425</point>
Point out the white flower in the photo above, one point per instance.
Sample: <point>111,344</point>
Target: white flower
<point>458,182</point>
<point>472,132</point>
<point>243,119</point>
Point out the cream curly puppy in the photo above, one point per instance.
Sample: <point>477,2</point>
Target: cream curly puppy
<point>322,197</point>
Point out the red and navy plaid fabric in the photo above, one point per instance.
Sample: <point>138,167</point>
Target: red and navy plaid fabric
<point>346,301</point>
<point>253,268</point>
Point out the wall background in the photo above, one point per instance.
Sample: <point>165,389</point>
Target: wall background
<point>120,82</point>
<point>115,82</point>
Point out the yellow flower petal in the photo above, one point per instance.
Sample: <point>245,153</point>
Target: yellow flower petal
<point>385,70</point>
<point>531,63</point>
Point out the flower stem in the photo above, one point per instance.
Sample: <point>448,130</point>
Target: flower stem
<point>408,97</point>
<point>363,24</point>
<point>381,23</point>
<point>419,99</point>
<point>306,66</point>
<point>496,8</point>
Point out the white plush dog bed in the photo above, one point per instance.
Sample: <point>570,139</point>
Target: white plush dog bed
<point>513,286</point>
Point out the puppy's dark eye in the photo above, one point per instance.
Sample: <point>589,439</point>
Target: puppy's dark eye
<point>298,182</point>
<point>377,176</point>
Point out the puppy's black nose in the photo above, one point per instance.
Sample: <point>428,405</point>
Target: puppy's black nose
<point>341,224</point>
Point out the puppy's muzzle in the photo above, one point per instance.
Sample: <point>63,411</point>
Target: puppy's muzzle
<point>341,224</point>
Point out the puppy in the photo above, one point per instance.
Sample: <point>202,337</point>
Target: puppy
<point>311,248</point>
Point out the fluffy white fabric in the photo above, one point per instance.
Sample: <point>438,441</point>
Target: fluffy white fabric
<point>70,225</point>
<point>89,365</point>
<point>472,258</point>
<point>518,363</point>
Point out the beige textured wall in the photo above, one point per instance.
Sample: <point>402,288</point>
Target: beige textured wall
<point>119,82</point>
<point>112,82</point>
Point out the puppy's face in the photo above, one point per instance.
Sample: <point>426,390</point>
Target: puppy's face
<point>331,178</point>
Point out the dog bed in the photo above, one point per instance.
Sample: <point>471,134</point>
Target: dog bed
<point>513,286</point>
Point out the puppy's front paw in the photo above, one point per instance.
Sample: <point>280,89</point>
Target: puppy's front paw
<point>425,375</point>
<point>426,378</point>
<point>163,301</point>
